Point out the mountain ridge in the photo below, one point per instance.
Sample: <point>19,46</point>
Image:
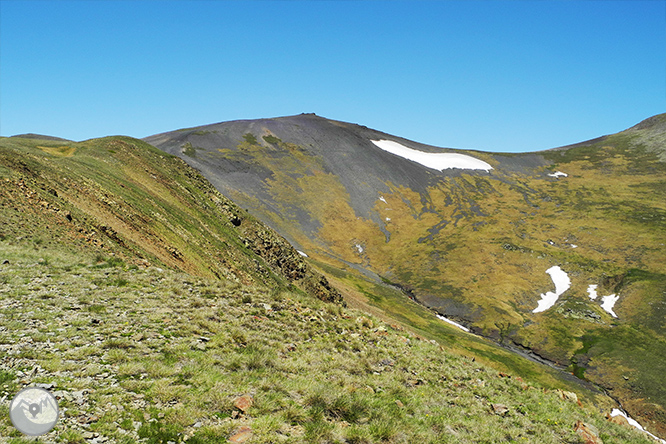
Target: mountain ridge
<point>471,245</point>
<point>93,307</point>
<point>97,205</point>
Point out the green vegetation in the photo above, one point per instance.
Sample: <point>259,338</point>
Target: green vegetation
<point>250,138</point>
<point>171,355</point>
<point>155,305</point>
<point>271,139</point>
<point>140,207</point>
<point>189,150</point>
<point>476,247</point>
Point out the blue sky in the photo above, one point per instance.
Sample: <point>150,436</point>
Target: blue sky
<point>491,75</point>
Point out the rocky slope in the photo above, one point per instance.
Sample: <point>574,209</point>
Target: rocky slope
<point>157,356</point>
<point>122,198</point>
<point>473,244</point>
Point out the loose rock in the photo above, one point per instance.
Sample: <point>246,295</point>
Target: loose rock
<point>500,409</point>
<point>588,432</point>
<point>243,434</point>
<point>243,403</point>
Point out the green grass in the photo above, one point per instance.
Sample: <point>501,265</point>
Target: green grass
<point>250,138</point>
<point>316,372</point>
<point>478,247</point>
<point>136,206</point>
<point>271,139</point>
<point>92,255</point>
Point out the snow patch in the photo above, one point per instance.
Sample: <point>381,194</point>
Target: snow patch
<point>633,422</point>
<point>462,327</point>
<point>301,253</point>
<point>608,302</point>
<point>574,246</point>
<point>382,199</point>
<point>437,161</point>
<point>562,284</point>
<point>388,219</point>
<point>359,248</point>
<point>558,174</point>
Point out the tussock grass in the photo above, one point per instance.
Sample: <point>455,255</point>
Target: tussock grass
<point>160,365</point>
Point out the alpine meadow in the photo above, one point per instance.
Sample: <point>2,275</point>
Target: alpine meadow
<point>306,280</point>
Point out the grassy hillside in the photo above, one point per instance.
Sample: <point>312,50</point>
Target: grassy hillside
<point>121,198</point>
<point>157,356</point>
<point>473,246</point>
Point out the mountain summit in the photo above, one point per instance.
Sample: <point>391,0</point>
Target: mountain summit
<point>482,239</point>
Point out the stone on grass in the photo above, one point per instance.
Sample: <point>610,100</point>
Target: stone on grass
<point>620,419</point>
<point>242,435</point>
<point>500,409</point>
<point>243,403</point>
<point>568,396</point>
<point>588,432</point>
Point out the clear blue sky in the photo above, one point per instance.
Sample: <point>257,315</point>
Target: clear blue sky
<point>491,75</point>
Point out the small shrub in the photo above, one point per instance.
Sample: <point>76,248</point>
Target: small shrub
<point>6,377</point>
<point>258,358</point>
<point>122,343</point>
<point>318,429</point>
<point>118,282</point>
<point>250,138</point>
<point>272,139</point>
<point>101,262</point>
<point>382,430</point>
<point>72,437</point>
<point>126,424</point>
<point>358,435</point>
<point>294,415</point>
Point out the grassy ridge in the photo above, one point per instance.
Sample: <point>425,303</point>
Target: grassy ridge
<point>160,356</point>
<point>120,196</point>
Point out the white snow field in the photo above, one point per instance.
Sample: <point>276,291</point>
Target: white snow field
<point>558,174</point>
<point>462,327</point>
<point>436,161</point>
<point>608,302</point>
<point>562,284</point>
<point>633,422</point>
<point>301,253</point>
<point>382,199</point>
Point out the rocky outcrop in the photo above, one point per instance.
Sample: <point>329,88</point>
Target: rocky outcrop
<point>286,261</point>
